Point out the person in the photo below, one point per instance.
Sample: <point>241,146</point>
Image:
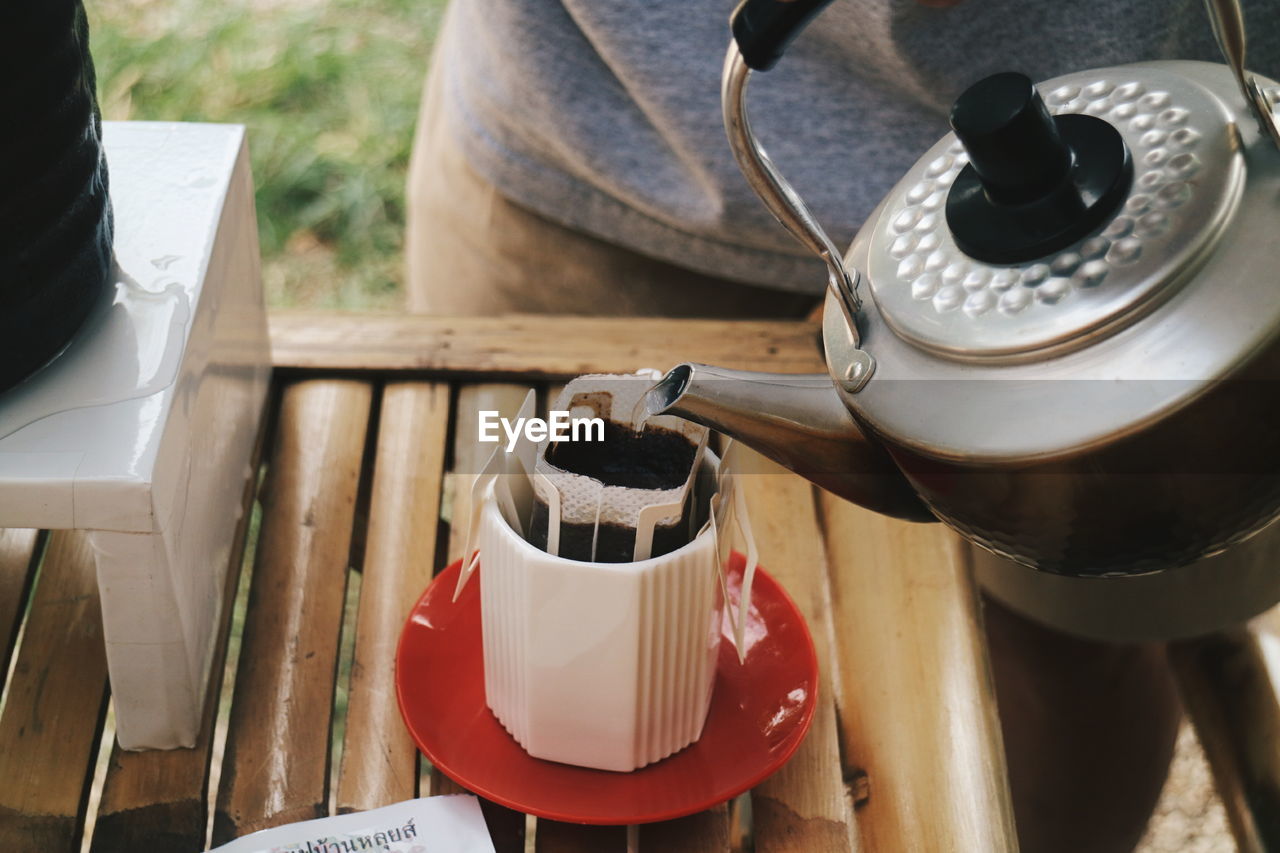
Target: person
<point>570,159</point>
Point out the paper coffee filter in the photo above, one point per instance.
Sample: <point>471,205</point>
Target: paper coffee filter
<point>585,500</point>
<point>730,516</point>
<point>504,478</point>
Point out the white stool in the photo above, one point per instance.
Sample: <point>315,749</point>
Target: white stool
<point>141,431</point>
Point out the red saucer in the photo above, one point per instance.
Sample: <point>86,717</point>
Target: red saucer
<point>760,712</point>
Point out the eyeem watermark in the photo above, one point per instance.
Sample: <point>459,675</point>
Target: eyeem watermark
<point>559,427</point>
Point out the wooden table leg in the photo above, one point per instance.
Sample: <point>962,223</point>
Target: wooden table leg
<point>1228,686</point>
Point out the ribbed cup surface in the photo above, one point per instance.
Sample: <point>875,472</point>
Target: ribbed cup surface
<point>605,665</point>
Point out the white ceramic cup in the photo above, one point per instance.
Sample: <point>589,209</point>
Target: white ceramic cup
<point>603,665</point>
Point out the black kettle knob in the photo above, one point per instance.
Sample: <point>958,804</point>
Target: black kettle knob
<point>1012,140</point>
<point>1035,183</point>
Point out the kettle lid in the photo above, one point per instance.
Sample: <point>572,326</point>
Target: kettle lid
<point>1152,171</point>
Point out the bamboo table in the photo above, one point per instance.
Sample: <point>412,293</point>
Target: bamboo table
<point>371,415</point>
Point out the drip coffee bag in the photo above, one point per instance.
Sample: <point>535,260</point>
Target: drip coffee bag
<point>621,493</point>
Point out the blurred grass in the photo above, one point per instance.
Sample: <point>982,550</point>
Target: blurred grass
<point>329,91</point>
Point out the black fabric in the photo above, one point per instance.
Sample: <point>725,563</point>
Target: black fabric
<point>55,210</point>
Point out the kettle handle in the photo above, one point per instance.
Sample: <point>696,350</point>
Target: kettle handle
<point>762,29</point>
<point>1227,19</point>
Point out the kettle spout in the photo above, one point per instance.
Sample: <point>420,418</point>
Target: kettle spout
<point>796,420</point>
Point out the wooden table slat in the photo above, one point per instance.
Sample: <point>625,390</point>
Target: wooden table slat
<point>379,759</point>
<point>556,837</point>
<point>704,832</point>
<point>159,799</point>
<point>803,807</point>
<point>277,758</point>
<point>917,706</point>
<point>468,453</point>
<point>905,687</point>
<point>56,706</point>
<point>532,348</point>
<point>505,825</point>
<point>18,552</point>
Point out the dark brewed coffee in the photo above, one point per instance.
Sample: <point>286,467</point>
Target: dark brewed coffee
<point>657,458</point>
<point>612,543</point>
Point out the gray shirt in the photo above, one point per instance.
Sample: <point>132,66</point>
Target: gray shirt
<point>604,115</point>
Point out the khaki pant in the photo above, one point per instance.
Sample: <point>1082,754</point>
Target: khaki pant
<point>471,251</point>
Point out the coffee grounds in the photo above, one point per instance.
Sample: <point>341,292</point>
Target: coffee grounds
<point>656,459</point>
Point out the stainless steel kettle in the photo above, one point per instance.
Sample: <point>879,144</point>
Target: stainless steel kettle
<point>1059,333</point>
